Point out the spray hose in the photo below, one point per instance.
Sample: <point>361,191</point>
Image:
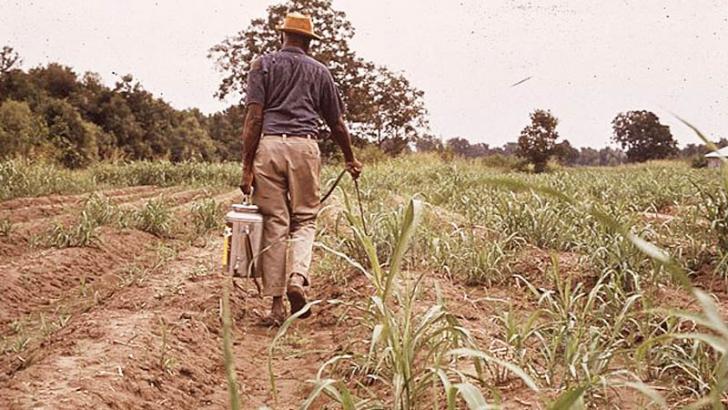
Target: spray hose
<point>358,198</point>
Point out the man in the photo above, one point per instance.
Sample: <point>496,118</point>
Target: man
<point>287,93</point>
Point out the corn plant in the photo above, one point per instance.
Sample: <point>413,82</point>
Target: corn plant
<point>5,227</point>
<point>410,351</point>
<point>206,216</point>
<point>154,217</point>
<point>79,235</point>
<point>100,209</point>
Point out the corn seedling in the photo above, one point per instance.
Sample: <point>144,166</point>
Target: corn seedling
<point>206,216</point>
<point>155,218</point>
<point>5,227</point>
<point>79,235</point>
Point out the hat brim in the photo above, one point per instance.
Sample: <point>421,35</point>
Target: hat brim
<point>300,32</point>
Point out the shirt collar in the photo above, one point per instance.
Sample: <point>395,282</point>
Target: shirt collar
<point>292,49</point>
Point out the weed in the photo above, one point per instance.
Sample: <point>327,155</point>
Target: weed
<point>166,361</point>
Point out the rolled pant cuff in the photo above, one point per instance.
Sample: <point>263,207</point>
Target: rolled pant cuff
<point>306,281</point>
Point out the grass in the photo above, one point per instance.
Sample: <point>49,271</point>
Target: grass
<point>25,178</point>
<point>580,329</point>
<point>580,326</point>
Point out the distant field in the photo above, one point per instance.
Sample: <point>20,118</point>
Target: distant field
<point>111,288</point>
<point>25,178</point>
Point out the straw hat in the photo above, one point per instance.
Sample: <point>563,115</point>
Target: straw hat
<point>299,24</point>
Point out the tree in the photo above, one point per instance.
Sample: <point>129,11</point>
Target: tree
<point>57,80</point>
<point>190,142</point>
<point>692,150</point>
<point>73,138</point>
<point>643,136</point>
<point>225,128</point>
<point>21,131</point>
<point>459,146</point>
<point>428,143</point>
<point>463,148</point>
<point>380,104</point>
<point>510,148</point>
<point>9,60</point>
<point>611,157</point>
<point>537,140</point>
<point>588,157</point>
<point>565,153</point>
<point>395,108</point>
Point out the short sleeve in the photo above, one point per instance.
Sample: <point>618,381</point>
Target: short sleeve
<point>331,107</point>
<point>255,91</point>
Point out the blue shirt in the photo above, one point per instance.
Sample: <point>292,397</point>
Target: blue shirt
<point>295,91</point>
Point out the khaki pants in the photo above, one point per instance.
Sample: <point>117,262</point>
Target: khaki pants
<point>287,192</point>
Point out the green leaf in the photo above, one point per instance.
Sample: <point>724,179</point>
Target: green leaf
<point>472,396</point>
<point>319,387</point>
<point>570,399</point>
<point>462,352</point>
<point>409,225</point>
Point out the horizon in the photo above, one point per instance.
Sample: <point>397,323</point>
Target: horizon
<point>481,107</point>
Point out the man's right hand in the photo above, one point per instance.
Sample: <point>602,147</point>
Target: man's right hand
<point>354,168</point>
<point>246,184</point>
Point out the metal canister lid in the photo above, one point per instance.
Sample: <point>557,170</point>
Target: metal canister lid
<point>245,208</point>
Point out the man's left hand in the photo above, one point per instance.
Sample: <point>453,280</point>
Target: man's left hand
<point>246,184</point>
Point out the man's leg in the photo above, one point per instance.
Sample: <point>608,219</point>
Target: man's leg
<point>303,183</point>
<point>270,195</point>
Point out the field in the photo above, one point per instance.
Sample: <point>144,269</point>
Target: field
<point>469,285</point>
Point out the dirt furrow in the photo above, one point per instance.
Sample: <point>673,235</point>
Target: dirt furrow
<point>20,203</point>
<point>23,238</point>
<point>41,278</point>
<point>158,343</point>
<point>33,214</point>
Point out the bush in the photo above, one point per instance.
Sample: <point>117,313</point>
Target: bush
<point>699,161</point>
<point>501,161</point>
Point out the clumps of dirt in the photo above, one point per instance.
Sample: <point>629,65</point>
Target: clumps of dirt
<point>43,277</point>
<point>534,264</point>
<point>25,210</point>
<point>660,218</point>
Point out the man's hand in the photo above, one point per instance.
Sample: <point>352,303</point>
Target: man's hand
<point>354,168</point>
<point>246,184</point>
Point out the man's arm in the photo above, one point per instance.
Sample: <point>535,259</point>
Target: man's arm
<point>340,134</point>
<point>252,129</point>
<point>253,124</point>
<point>332,113</point>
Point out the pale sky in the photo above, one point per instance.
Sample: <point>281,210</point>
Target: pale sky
<point>588,59</point>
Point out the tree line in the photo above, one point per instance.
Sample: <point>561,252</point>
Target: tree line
<point>54,113</point>
<point>639,134</point>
